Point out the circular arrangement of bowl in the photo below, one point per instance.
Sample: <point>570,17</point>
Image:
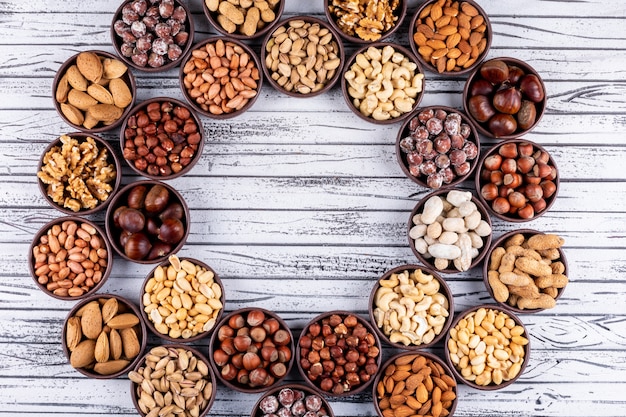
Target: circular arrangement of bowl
<point>212,17</point>
<point>151,13</point>
<point>111,159</point>
<point>525,179</point>
<point>411,299</point>
<point>345,85</point>
<point>199,365</point>
<point>124,306</point>
<point>419,207</point>
<point>223,334</point>
<point>451,49</point>
<point>195,285</point>
<point>402,156</point>
<point>539,106</point>
<point>446,383</point>
<point>300,394</point>
<point>127,77</point>
<point>200,49</point>
<point>398,13</point>
<point>500,243</point>
<point>267,55</point>
<point>491,386</point>
<point>178,140</point>
<point>121,200</point>
<point>374,351</point>
<point>58,222</point>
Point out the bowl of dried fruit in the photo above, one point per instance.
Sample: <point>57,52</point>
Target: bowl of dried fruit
<point>152,36</point>
<point>293,399</point>
<point>104,336</point>
<point>365,21</point>
<point>93,91</point>
<point>245,20</point>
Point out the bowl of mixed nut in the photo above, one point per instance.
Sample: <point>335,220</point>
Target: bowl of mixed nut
<point>293,400</point>
<point>245,19</point>
<point>365,21</point>
<point>79,173</point>
<point>152,36</point>
<point>302,56</point>
<point>93,91</point>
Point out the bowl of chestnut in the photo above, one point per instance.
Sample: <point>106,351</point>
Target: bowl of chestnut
<point>505,98</point>
<point>251,350</point>
<point>162,138</point>
<point>147,221</point>
<point>437,147</point>
<point>292,400</point>
<point>518,180</point>
<point>338,353</point>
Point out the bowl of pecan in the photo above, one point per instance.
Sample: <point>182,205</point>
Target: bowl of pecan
<point>152,36</point>
<point>243,19</point>
<point>437,147</point>
<point>162,138</point>
<point>450,37</point>
<point>338,353</point>
<point>365,21</point>
<point>79,173</point>
<point>292,400</point>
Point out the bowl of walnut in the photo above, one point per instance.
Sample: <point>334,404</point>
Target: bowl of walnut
<point>365,21</point>
<point>79,173</point>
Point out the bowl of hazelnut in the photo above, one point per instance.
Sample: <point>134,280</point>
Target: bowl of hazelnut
<point>247,20</point>
<point>152,36</point>
<point>504,97</point>
<point>518,180</point>
<point>338,353</point>
<point>298,399</point>
<point>251,350</point>
<point>437,147</point>
<point>370,21</point>
<point>162,138</point>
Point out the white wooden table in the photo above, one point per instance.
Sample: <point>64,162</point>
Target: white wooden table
<point>300,206</point>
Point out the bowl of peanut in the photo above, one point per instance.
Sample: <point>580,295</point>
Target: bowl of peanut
<point>93,91</point>
<point>449,36</point>
<point>525,270</point>
<point>302,56</point>
<point>382,83</point>
<point>487,347</point>
<point>79,173</point>
<point>245,19</point>
<point>411,307</point>
<point>366,21</point>
<point>70,258</point>
<point>221,77</point>
<point>192,308</point>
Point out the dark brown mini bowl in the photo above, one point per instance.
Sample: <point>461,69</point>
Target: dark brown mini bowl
<point>402,156</point>
<point>428,64</point>
<point>299,390</point>
<point>145,302</point>
<point>136,388</point>
<point>499,243</point>
<point>514,217</point>
<point>409,357</point>
<point>117,41</point>
<point>120,200</point>
<point>112,158</point>
<point>443,289</point>
<point>201,46</point>
<point>128,78</point>
<point>430,262</point>
<point>482,127</point>
<point>123,305</point>
<point>159,126</point>
<point>215,346</point>
<point>320,319</point>
<point>268,71</point>
<point>349,100</point>
<point>43,231</point>
<point>400,13</point>
<point>237,34</point>
<point>491,386</point>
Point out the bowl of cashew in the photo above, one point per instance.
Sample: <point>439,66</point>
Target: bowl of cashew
<point>411,307</point>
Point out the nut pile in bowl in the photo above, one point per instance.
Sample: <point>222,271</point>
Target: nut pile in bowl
<point>292,400</point>
<point>243,19</point>
<point>365,21</point>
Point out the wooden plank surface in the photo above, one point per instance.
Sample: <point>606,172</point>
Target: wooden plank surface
<point>300,206</point>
